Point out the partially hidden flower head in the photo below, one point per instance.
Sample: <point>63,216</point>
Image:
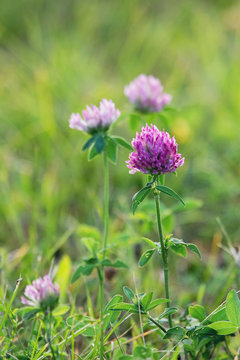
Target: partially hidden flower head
<point>146,93</point>
<point>42,293</point>
<point>95,118</point>
<point>155,152</point>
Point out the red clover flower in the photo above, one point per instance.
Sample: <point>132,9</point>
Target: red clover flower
<point>146,93</point>
<point>95,118</point>
<point>155,152</point>
<point>42,293</point>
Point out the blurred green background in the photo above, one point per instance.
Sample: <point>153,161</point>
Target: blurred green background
<point>56,57</point>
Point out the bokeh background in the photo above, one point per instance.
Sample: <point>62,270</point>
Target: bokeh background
<point>56,57</point>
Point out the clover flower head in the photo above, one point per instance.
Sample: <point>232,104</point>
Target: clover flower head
<point>155,152</point>
<point>76,122</point>
<point>146,93</point>
<point>95,118</point>
<point>42,293</point>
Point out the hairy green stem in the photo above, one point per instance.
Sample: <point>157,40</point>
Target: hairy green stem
<point>49,335</point>
<point>156,323</point>
<point>163,250</point>
<point>106,203</point>
<point>105,237</point>
<point>101,289</point>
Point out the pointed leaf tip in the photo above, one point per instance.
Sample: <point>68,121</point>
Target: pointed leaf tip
<point>146,256</point>
<point>233,307</point>
<point>139,197</point>
<point>128,292</point>
<point>122,142</point>
<point>166,190</point>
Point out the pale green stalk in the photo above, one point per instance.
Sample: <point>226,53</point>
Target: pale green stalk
<point>164,251</point>
<point>105,237</point>
<point>49,335</point>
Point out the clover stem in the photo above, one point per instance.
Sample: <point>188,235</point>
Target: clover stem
<point>156,323</point>
<point>49,335</point>
<point>163,249</point>
<point>105,238</point>
<point>106,204</point>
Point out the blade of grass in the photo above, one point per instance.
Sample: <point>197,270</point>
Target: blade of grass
<point>36,341</point>
<point>10,304</point>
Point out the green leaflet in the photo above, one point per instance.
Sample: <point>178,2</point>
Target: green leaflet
<point>146,256</point>
<point>139,197</point>
<point>170,192</point>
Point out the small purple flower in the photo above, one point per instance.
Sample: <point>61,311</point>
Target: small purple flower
<point>95,118</point>
<point>155,152</point>
<point>42,293</point>
<point>146,93</point>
